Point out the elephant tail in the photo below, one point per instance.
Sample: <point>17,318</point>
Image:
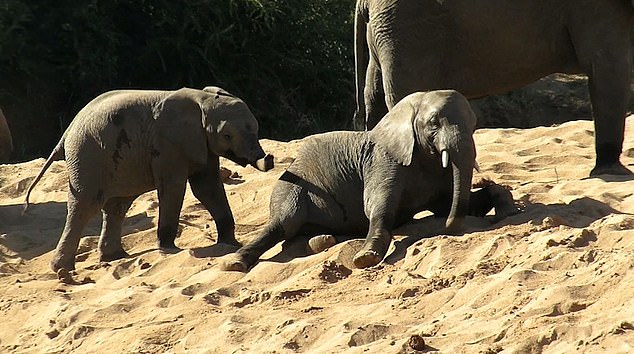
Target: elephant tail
<point>57,153</point>
<point>361,55</point>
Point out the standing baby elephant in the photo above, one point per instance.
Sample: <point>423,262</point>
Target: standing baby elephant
<point>420,156</point>
<point>125,143</point>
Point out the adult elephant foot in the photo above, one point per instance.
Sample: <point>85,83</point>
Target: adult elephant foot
<point>611,169</point>
<point>235,263</point>
<point>113,256</point>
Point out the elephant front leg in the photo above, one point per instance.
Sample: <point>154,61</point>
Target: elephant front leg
<point>170,195</point>
<point>208,189</point>
<point>375,246</point>
<point>114,211</point>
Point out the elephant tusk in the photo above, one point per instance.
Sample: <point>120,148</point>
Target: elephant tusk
<point>445,158</point>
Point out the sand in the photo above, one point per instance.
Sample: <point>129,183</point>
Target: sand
<point>557,278</point>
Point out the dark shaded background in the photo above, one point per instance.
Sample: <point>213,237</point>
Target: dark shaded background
<point>290,60</point>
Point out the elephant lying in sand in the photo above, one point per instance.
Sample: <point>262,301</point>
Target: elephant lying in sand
<point>125,143</point>
<point>484,47</point>
<point>421,156</point>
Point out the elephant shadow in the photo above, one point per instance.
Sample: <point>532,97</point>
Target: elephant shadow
<point>27,235</point>
<point>579,213</point>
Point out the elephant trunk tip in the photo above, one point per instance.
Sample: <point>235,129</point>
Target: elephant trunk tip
<point>265,163</point>
<point>454,225</point>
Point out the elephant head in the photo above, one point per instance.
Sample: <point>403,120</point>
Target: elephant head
<point>439,125</point>
<point>212,121</point>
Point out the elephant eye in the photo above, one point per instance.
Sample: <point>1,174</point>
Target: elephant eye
<point>434,122</point>
<point>226,136</point>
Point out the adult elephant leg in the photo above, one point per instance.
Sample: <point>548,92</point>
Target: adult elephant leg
<point>113,211</point>
<point>208,189</point>
<point>604,53</point>
<point>80,211</point>
<point>374,95</point>
<point>609,84</point>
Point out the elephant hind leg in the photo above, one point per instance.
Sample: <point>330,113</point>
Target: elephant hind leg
<point>114,211</point>
<point>79,213</point>
<point>276,231</point>
<point>374,96</point>
<point>607,59</point>
<point>248,255</point>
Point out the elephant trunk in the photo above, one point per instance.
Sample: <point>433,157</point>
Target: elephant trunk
<point>462,164</point>
<point>261,160</point>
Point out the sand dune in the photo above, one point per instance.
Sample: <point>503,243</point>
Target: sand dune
<point>557,278</point>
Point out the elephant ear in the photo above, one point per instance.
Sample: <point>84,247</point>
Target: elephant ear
<point>180,122</point>
<point>395,133</point>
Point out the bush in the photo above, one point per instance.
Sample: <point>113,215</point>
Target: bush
<point>291,61</point>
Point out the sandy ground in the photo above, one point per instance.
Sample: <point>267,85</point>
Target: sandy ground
<point>557,278</point>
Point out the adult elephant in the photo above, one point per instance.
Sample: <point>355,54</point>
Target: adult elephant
<point>484,47</point>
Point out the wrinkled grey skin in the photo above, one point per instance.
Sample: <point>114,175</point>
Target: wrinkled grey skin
<point>125,143</point>
<point>6,142</point>
<point>355,182</point>
<point>484,47</point>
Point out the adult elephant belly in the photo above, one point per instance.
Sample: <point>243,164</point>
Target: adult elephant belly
<point>477,48</point>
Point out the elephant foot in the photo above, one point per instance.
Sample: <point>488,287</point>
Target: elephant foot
<point>366,259</point>
<point>113,256</point>
<point>59,262</point>
<point>374,249</point>
<point>321,243</point>
<point>235,263</point>
<point>229,241</point>
<point>65,276</point>
<point>169,250</point>
<point>611,169</point>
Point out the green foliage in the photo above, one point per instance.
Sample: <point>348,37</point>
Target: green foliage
<point>290,60</point>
